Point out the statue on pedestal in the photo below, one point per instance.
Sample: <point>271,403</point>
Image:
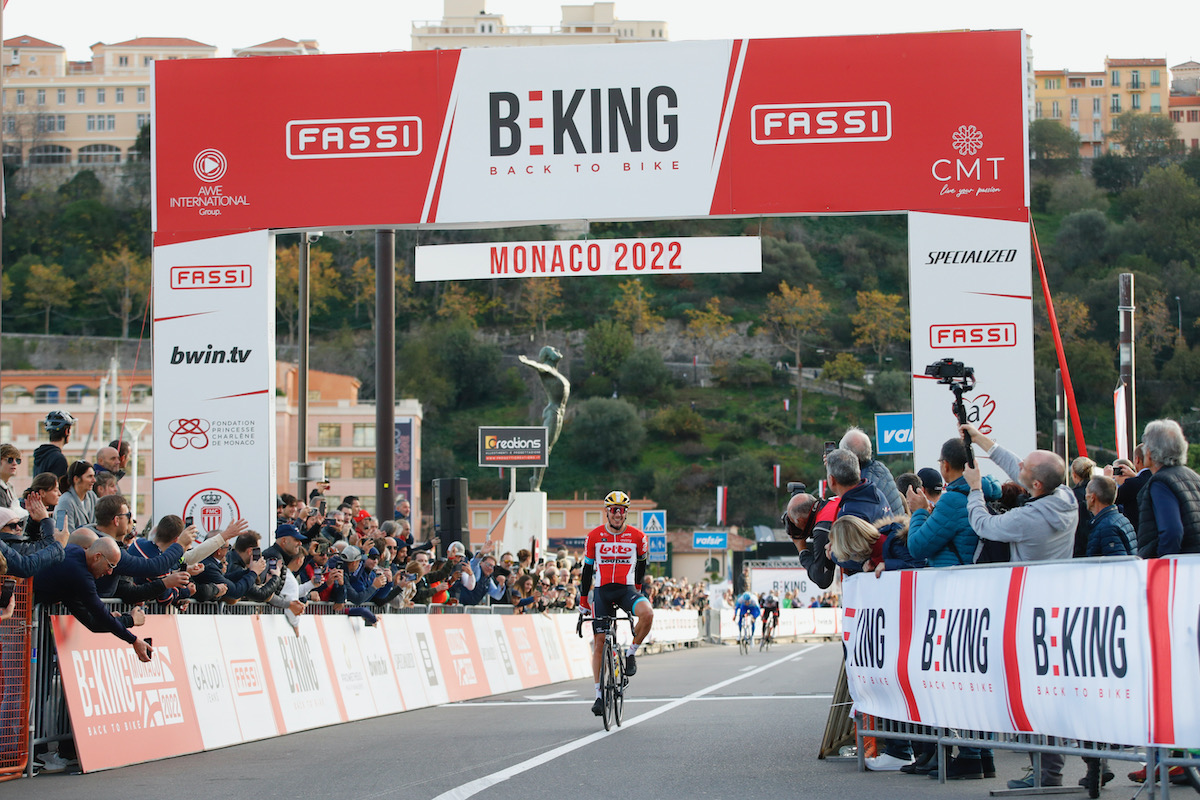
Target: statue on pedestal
<point>558,389</point>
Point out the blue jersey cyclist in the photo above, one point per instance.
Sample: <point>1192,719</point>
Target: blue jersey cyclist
<point>747,605</point>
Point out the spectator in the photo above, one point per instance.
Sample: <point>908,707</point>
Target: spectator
<point>44,488</point>
<point>1110,533</point>
<point>49,457</point>
<point>859,498</point>
<point>77,495</point>
<point>807,520</point>
<point>944,538</point>
<point>523,596</point>
<point>318,492</point>
<point>166,535</point>
<point>123,451</point>
<point>1169,503</point>
<point>872,471</point>
<point>361,583</point>
<point>942,534</point>
<point>240,561</point>
<point>1041,530</point>
<point>288,597</point>
<point>10,459</point>
<point>72,582</point>
<point>288,543</point>
<point>404,509</point>
<point>28,555</point>
<point>106,484</point>
<point>108,460</point>
<point>932,483</point>
<point>211,583</point>
<point>1130,478</point>
<point>1081,472</point>
<point>905,481</point>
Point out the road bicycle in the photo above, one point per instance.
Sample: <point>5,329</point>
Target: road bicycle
<point>613,679</point>
<point>746,634</point>
<point>768,634</point>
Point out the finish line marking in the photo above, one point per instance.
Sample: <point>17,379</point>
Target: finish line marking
<point>512,703</point>
<point>476,786</point>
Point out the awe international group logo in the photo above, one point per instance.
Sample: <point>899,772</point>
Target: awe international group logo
<point>210,165</point>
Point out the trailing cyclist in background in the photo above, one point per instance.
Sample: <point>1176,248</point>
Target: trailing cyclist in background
<point>615,554</point>
<point>770,612</point>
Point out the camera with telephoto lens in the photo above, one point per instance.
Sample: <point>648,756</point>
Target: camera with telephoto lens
<point>950,371</point>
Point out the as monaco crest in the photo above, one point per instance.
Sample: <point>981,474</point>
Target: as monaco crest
<point>212,510</point>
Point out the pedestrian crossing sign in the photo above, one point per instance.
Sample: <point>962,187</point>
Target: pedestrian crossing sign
<point>654,521</point>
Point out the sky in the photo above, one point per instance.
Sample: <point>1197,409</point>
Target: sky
<point>1065,36</point>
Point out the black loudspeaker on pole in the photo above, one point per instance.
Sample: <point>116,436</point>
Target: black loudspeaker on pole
<point>450,520</point>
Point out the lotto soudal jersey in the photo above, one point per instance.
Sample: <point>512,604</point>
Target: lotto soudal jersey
<point>615,554</point>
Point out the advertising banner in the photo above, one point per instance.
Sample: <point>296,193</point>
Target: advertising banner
<point>214,381</point>
<point>349,670</point>
<point>462,665</point>
<point>632,131</point>
<point>404,453</point>
<point>784,580</point>
<point>212,688</point>
<point>523,640</point>
<point>381,675</point>
<point>970,289</point>
<point>495,653</point>
<point>596,257</point>
<point>408,664</point>
<point>513,446</point>
<point>894,433</point>
<point>124,711</point>
<point>257,715</point>
<point>303,688</point>
<point>710,540</point>
<point>1174,616</point>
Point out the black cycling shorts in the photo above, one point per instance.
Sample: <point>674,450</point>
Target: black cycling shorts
<point>608,598</point>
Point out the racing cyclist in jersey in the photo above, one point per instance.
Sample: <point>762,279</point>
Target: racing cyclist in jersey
<point>770,608</point>
<point>615,555</point>
<point>746,604</point>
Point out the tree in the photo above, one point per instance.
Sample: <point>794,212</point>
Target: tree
<point>458,303</point>
<point>122,281</point>
<point>607,346</point>
<point>47,288</point>
<point>362,284</point>
<point>605,433</point>
<point>880,320</point>
<point>796,315</point>
<point>1054,147</point>
<point>1168,207</point>
<point>1141,134</point>
<point>539,301</point>
<point>323,282</point>
<point>644,375</point>
<point>844,367</point>
<point>709,326</point>
<point>633,308</point>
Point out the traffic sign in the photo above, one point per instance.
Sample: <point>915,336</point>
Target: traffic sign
<point>654,521</point>
<point>658,547</point>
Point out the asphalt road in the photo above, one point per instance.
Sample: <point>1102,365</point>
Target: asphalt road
<point>702,723</point>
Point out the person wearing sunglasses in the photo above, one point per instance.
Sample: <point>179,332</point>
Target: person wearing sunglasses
<point>10,459</point>
<point>26,557</point>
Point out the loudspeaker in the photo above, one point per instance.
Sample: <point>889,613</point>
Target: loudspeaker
<point>450,520</point>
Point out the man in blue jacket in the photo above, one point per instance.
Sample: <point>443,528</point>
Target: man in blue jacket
<point>942,535</point>
<point>1110,533</point>
<point>859,498</point>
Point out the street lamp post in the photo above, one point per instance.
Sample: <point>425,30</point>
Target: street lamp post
<point>135,427</point>
<point>1179,308</point>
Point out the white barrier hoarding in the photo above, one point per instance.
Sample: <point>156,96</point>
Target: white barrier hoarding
<point>627,258</point>
<point>784,580</point>
<point>970,294</point>
<point>1174,642</point>
<point>305,689</point>
<point>212,686</point>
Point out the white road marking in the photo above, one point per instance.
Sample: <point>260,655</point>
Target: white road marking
<point>553,696</point>
<point>513,703</point>
<point>476,786</point>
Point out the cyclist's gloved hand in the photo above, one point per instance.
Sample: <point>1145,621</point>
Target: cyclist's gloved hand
<point>585,605</point>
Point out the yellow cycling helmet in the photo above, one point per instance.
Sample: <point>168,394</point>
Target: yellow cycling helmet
<point>616,499</point>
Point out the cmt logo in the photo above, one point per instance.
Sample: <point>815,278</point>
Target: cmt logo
<point>355,137</point>
<point>235,276</point>
<point>585,120</point>
<point>805,123</point>
<point>967,140</point>
<point>956,640</point>
<point>983,334</point>
<point>1085,642</point>
<point>869,648</point>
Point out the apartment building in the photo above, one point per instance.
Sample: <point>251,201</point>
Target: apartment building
<point>341,430</point>
<point>1088,102</point>
<point>467,23</point>
<point>1185,113</point>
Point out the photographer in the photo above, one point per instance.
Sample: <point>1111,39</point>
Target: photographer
<point>807,520</point>
<point>242,560</point>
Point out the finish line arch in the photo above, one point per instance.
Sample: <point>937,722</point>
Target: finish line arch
<point>931,124</point>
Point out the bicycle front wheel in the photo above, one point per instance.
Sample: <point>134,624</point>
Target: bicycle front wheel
<point>607,685</point>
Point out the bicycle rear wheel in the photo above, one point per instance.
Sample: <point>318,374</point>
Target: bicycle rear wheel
<point>619,686</point>
<point>607,685</point>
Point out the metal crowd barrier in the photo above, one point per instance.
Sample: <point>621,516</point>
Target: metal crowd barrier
<point>1154,758</point>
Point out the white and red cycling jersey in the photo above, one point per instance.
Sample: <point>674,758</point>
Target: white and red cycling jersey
<point>615,555</point>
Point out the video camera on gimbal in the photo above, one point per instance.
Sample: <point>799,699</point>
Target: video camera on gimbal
<point>960,378</point>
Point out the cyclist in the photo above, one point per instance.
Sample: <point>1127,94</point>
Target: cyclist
<point>615,554</point>
<point>770,608</point>
<point>747,604</point>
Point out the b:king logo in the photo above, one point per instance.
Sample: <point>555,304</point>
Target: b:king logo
<point>585,120</point>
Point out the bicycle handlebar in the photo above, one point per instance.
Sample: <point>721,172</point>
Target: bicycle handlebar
<point>584,618</point>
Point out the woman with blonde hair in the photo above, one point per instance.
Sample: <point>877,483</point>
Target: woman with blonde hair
<point>856,545</point>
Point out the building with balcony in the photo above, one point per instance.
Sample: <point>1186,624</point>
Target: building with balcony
<point>1185,113</point>
<point>1088,102</point>
<point>467,23</point>
<point>341,429</point>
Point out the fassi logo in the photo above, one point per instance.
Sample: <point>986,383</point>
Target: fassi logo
<point>232,276</point>
<point>246,677</point>
<point>805,123</point>
<point>354,137</point>
<point>611,120</point>
<point>983,334</point>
